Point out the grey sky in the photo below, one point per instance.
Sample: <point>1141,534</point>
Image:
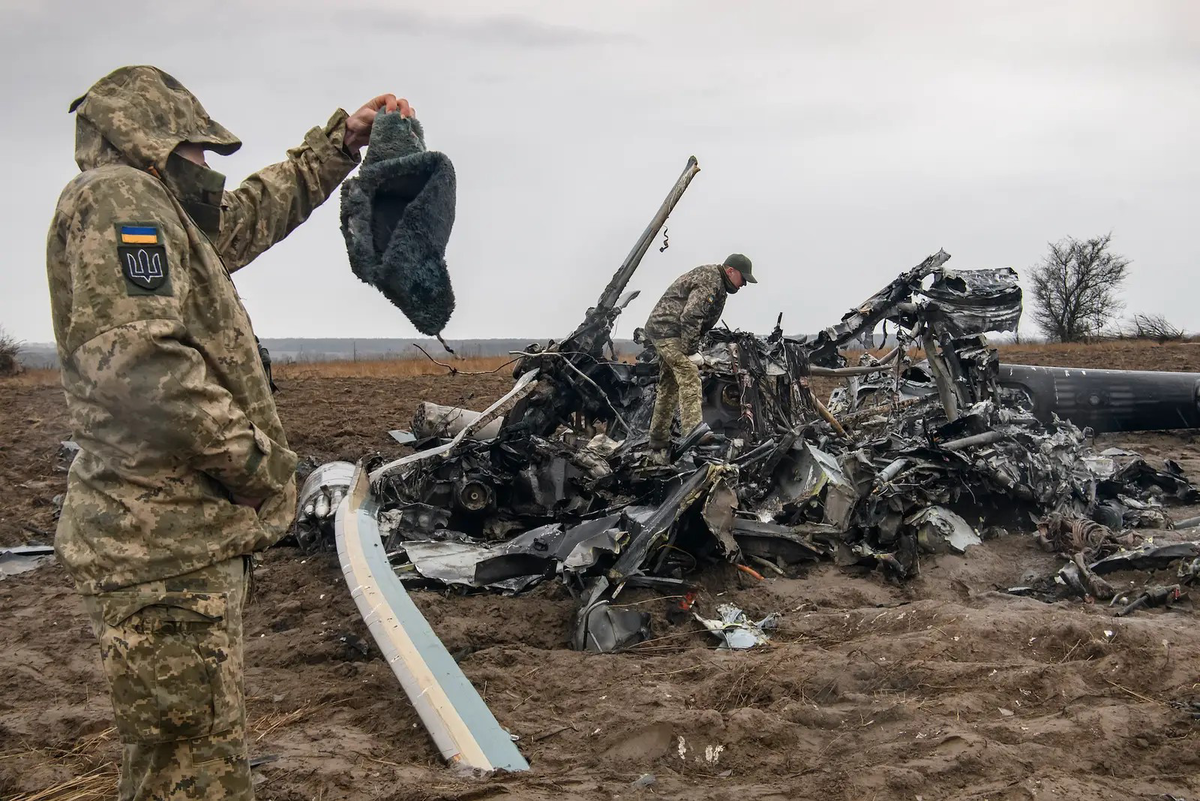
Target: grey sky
<point>838,146</point>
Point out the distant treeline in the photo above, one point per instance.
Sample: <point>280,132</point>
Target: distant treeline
<point>297,349</point>
<point>302,349</point>
<point>324,350</point>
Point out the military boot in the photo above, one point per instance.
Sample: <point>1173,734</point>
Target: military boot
<point>659,454</point>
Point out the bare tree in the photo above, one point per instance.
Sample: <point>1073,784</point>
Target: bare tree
<point>1075,288</point>
<point>1156,327</point>
<point>10,349</point>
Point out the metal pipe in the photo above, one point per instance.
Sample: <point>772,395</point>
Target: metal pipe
<point>985,438</point>
<point>941,375</point>
<point>865,369</point>
<point>768,564</point>
<point>865,414</point>
<point>616,286</point>
<point>828,415</point>
<point>891,471</point>
<point>760,451</point>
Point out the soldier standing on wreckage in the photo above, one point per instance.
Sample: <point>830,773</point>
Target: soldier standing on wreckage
<point>683,315</point>
<point>184,470</point>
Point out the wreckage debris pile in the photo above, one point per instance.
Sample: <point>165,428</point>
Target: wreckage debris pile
<point>505,515</point>
<point>907,459</point>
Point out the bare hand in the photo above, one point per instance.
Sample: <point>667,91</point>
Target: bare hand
<point>358,126</point>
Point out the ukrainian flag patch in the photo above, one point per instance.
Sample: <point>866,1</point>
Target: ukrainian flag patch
<point>142,254</point>
<point>139,235</point>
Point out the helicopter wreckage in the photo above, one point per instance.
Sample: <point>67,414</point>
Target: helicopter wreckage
<point>929,447</point>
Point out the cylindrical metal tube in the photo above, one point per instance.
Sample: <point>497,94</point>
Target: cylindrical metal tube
<point>865,369</point>
<point>891,471</point>
<point>986,438</point>
<point>828,416</point>
<point>331,475</point>
<point>617,285</point>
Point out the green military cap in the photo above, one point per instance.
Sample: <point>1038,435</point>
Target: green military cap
<point>742,264</point>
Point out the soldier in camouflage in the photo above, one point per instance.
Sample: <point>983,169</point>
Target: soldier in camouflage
<point>686,312</point>
<point>184,469</point>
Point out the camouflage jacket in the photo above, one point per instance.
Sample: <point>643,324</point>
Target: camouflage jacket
<point>167,395</point>
<point>690,307</point>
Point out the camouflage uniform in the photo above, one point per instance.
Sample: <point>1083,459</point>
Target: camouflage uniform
<point>171,408</point>
<point>172,651</point>
<point>689,308</point>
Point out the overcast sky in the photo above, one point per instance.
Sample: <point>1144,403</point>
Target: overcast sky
<point>839,143</point>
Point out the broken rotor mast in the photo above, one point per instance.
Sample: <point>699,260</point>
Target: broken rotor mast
<point>570,375</point>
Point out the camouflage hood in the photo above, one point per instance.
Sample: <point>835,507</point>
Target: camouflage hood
<point>137,116</point>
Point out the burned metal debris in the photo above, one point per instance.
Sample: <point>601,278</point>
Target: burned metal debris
<point>23,558</point>
<point>318,500</point>
<point>908,458</point>
<point>1095,551</point>
<point>735,631</point>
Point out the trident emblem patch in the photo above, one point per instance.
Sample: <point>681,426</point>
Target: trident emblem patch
<point>143,259</point>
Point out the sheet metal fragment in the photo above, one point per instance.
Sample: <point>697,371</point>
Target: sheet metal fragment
<point>736,631</point>
<point>23,558</point>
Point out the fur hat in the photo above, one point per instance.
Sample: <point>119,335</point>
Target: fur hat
<point>396,217</point>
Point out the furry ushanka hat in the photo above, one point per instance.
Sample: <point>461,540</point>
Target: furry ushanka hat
<point>396,217</point>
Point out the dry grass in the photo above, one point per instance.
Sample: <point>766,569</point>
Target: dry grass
<point>1046,348</point>
<point>410,366</point>
<point>753,682</point>
<point>35,378</point>
<point>94,779</point>
<point>1097,346</point>
<point>273,721</point>
<point>390,368</point>
<point>382,368</point>
<point>97,784</point>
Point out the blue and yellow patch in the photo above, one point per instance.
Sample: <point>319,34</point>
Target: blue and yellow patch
<point>142,254</point>
<point>139,235</point>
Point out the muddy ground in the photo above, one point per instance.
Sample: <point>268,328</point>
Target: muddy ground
<point>943,688</point>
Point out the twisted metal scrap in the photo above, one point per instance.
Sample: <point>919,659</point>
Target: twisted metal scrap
<point>1081,536</point>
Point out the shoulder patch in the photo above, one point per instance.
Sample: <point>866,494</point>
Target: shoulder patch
<point>143,257</point>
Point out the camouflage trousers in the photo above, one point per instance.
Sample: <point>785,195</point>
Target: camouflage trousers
<point>172,653</point>
<point>678,385</point>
